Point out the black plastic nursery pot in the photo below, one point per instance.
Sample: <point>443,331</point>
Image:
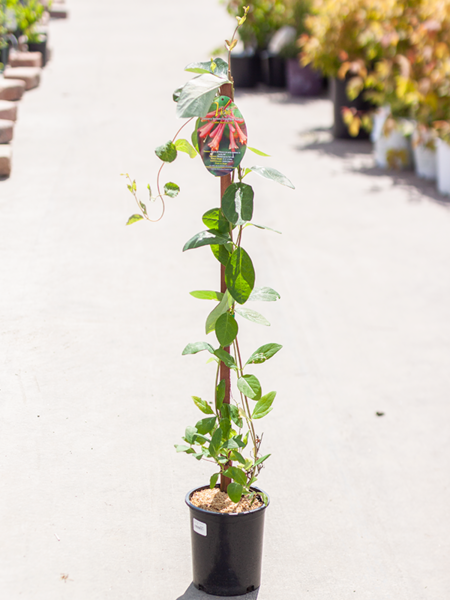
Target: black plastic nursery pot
<point>302,81</point>
<point>4,57</point>
<point>273,69</point>
<point>246,69</point>
<point>39,47</point>
<point>226,549</point>
<point>339,98</point>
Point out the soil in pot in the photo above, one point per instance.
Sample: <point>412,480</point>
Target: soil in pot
<point>216,501</point>
<point>226,549</point>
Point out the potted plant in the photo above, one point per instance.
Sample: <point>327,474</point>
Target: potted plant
<point>28,16</point>
<point>227,514</point>
<point>3,40</point>
<point>427,83</point>
<point>400,82</point>
<point>7,26</point>
<point>301,80</point>
<point>342,41</point>
<point>256,63</point>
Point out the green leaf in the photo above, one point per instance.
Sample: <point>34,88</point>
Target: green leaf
<point>201,440</point>
<point>221,68</point>
<point>203,405</point>
<point>263,353</point>
<point>264,227</point>
<point>197,95</point>
<point>234,415</point>
<point>184,146</point>
<point>274,175</point>
<point>221,253</point>
<point>235,455</point>
<point>237,474</point>
<point>194,137</point>
<point>225,426</point>
<point>263,406</point>
<point>241,442</point>
<point>213,480</point>
<point>176,94</point>
<point>171,189</point>
<point>249,386</point>
<point>197,347</point>
<point>182,448</point>
<point>235,492</point>
<point>237,203</point>
<point>258,151</point>
<point>134,218</point>
<point>167,152</point>
<point>220,394</point>
<point>240,275</point>
<point>226,358</point>
<point>231,444</point>
<point>198,67</point>
<point>261,460</point>
<point>205,425</point>
<point>206,238</point>
<point>206,295</point>
<point>252,315</point>
<point>214,219</point>
<point>226,329</point>
<point>266,294</point>
<point>189,434</point>
<point>220,309</point>
<point>216,442</point>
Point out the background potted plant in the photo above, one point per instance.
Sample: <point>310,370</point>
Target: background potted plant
<point>429,83</point>
<point>342,42</point>
<point>301,80</point>
<point>8,25</point>
<point>226,542</point>
<point>28,15</point>
<point>256,63</point>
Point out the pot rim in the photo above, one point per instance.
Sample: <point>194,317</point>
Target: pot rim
<point>210,512</point>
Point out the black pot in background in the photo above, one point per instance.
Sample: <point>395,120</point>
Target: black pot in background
<point>245,69</point>
<point>4,57</point>
<point>302,81</point>
<point>273,69</point>
<point>226,549</point>
<point>39,47</point>
<point>339,98</point>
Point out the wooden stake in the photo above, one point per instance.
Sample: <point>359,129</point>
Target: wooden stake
<point>224,371</point>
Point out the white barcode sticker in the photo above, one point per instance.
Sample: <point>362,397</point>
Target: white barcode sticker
<point>199,527</point>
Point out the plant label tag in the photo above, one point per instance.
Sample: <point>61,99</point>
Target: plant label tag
<point>199,527</point>
<point>222,137</point>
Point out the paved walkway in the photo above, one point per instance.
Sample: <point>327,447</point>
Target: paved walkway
<point>94,391</point>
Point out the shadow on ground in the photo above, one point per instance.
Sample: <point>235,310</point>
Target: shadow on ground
<point>321,140</point>
<point>192,593</point>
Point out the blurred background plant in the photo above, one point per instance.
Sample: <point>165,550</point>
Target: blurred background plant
<point>264,18</point>
<point>28,13</point>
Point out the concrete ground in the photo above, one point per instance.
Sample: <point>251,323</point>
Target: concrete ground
<point>94,315</point>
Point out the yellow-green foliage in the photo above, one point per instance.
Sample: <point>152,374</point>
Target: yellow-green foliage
<point>397,50</point>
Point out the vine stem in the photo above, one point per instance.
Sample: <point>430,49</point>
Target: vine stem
<point>245,401</point>
<point>160,195</point>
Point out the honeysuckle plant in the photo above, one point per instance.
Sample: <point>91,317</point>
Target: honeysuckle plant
<point>226,434</point>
